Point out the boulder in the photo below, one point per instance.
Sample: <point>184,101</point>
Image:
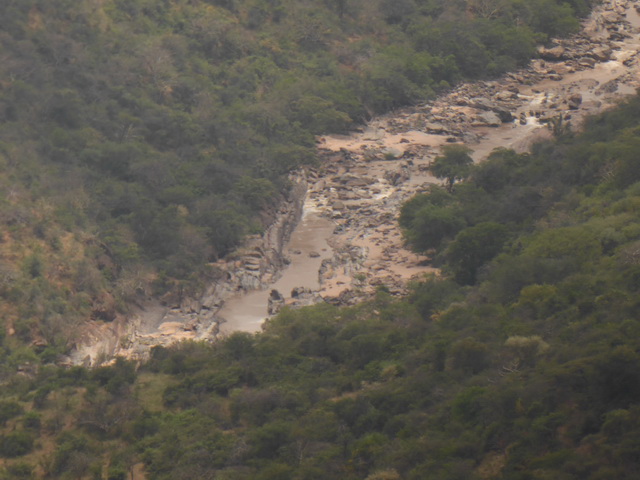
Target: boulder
<point>554,54</point>
<point>506,95</point>
<point>490,119</point>
<point>486,104</point>
<point>302,297</point>
<point>601,54</point>
<point>574,101</point>
<point>505,115</point>
<point>397,177</point>
<point>587,62</point>
<point>435,127</point>
<point>482,103</point>
<point>392,153</point>
<point>275,302</point>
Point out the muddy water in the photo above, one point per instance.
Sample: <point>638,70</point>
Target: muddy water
<point>306,249</point>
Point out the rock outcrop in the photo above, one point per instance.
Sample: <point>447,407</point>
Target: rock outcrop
<point>174,318</point>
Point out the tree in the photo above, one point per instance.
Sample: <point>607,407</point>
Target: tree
<point>469,355</point>
<point>454,164</point>
<point>432,225</point>
<point>473,247</point>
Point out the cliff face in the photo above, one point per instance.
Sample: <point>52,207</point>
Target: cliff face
<point>254,266</point>
<point>259,262</point>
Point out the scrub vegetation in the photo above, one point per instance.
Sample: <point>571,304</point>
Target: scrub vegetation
<point>520,362</point>
<point>141,140</point>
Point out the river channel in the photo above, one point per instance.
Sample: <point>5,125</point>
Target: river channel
<point>347,243</point>
<point>314,237</point>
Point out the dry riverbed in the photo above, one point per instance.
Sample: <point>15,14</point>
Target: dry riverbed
<point>348,243</point>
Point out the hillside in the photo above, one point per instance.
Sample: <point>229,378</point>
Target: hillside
<point>142,140</point>
<point>521,363</point>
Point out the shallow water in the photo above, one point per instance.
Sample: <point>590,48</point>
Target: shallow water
<point>247,311</point>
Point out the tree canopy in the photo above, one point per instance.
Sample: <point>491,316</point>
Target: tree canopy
<point>453,165</point>
<point>519,360</point>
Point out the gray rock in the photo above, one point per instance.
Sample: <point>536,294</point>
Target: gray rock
<point>482,103</point>
<point>392,153</point>
<point>587,62</point>
<point>435,127</point>
<point>506,95</point>
<point>302,297</point>
<point>574,101</point>
<point>505,115</point>
<point>275,302</point>
<point>552,54</point>
<point>490,119</point>
<point>601,54</point>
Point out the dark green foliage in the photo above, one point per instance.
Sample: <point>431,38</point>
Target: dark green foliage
<point>73,454</point>
<point>32,421</point>
<point>20,470</point>
<point>472,248</point>
<point>9,410</point>
<point>524,362</point>
<point>142,140</point>
<point>454,164</point>
<point>15,444</point>
<point>116,377</point>
<point>430,219</point>
<point>169,128</point>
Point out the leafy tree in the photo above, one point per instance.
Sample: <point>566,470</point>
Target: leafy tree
<point>454,164</point>
<point>473,247</point>
<point>432,225</point>
<point>469,355</point>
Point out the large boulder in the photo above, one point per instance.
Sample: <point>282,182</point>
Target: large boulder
<point>554,54</point>
<point>587,62</point>
<point>392,153</point>
<point>574,101</point>
<point>601,54</point>
<point>490,119</point>
<point>435,127</point>
<point>482,103</point>
<point>505,115</point>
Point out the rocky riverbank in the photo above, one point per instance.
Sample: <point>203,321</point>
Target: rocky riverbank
<point>162,322</point>
<point>368,175</point>
<point>365,177</point>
